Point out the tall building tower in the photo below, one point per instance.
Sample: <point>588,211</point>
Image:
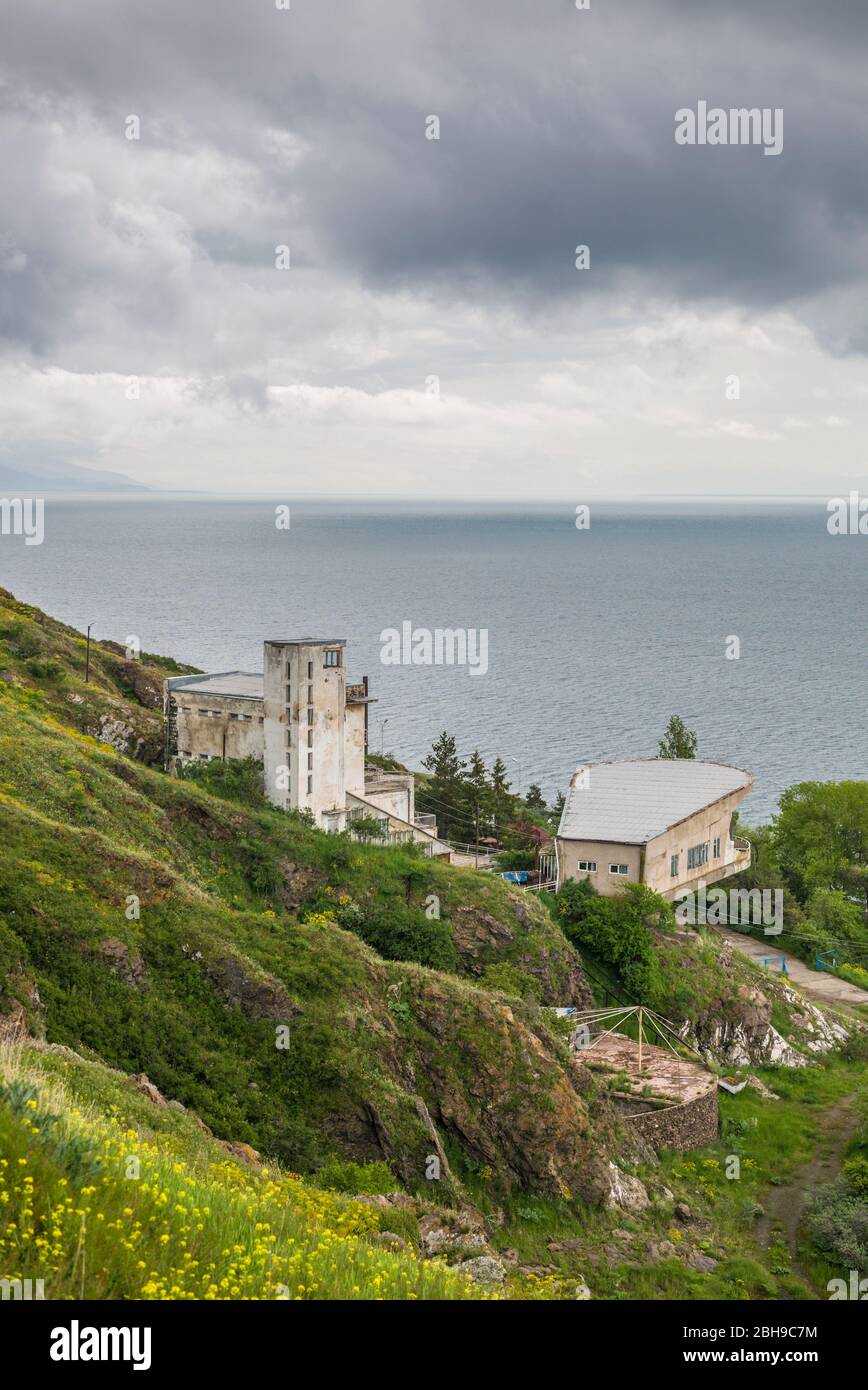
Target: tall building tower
<point>304,706</point>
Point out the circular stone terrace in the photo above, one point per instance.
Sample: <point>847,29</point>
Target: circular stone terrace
<point>669,1099</point>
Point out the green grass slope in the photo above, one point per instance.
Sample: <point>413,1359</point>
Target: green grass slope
<point>157,926</point>
<point>104,1195</point>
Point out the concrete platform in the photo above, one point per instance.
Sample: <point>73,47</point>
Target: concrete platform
<point>664,1075</point>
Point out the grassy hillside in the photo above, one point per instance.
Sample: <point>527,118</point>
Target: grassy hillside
<point>105,1195</point>
<point>44,662</point>
<point>201,979</point>
<point>148,922</point>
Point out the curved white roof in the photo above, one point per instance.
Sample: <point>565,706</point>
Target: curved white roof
<point>633,801</point>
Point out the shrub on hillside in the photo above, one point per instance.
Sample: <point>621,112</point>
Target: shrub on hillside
<point>618,931</point>
<point>516,859</point>
<point>832,912</point>
<point>506,977</point>
<point>837,1222</point>
<point>405,933</point>
<point>370,1179</point>
<point>239,779</point>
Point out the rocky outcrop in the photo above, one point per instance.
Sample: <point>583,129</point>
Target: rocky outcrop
<point>477,936</point>
<point>259,996</point>
<point>499,1089</point>
<point>146,688</point>
<point>299,882</point>
<point>21,1012</point>
<point>530,941</point>
<point>625,1191</point>
<point>142,1083</point>
<point>126,964</point>
<point>819,1032</point>
<point>738,1031</point>
<point>484,1269</point>
<point>452,1234</point>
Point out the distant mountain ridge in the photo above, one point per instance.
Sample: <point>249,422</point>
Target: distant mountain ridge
<point>28,478</point>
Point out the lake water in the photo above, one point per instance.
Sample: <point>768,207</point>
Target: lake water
<point>594,637</point>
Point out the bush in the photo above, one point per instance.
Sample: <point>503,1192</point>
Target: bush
<point>831,911</point>
<point>368,828</point>
<point>398,932</point>
<point>515,859</point>
<point>837,1222</point>
<point>507,978</point>
<point>371,1179</point>
<point>618,931</point>
<point>47,669</point>
<point>856,1173</point>
<point>239,779</point>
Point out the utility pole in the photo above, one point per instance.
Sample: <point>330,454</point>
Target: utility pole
<point>87,657</point>
<point>640,1038</point>
<point>365,688</point>
<point>476,808</point>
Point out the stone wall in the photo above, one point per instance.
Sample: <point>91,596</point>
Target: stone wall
<point>688,1126</point>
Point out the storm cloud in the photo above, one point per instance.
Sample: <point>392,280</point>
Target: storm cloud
<point>415,258</point>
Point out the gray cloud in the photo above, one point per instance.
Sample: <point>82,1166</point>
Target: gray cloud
<point>307,127</point>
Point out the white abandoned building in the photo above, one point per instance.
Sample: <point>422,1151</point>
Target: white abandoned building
<point>308,726</point>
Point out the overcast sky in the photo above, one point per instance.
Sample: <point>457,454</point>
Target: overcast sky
<point>416,262</point>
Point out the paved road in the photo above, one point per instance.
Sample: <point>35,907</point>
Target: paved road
<point>817,983</point>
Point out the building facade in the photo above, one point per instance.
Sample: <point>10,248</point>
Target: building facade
<point>308,726</point>
<point>667,823</point>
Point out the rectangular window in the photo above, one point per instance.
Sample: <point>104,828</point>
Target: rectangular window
<point>717,847</point>
<point>310,762</point>
<point>332,658</point>
<point>309,785</point>
<point>697,855</point>
<point>587,866</point>
<point>310,738</point>
<point>288,694</point>
<point>620,869</point>
<point>673,866</point>
<point>310,714</point>
<point>310,670</point>
<point>310,694</point>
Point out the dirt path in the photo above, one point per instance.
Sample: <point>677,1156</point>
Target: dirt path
<point>825,988</point>
<point>785,1205</point>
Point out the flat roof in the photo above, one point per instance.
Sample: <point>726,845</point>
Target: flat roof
<point>243,685</point>
<point>306,642</point>
<point>632,801</point>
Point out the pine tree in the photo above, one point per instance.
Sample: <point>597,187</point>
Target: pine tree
<point>535,800</point>
<point>443,795</point>
<point>678,741</point>
<point>502,799</point>
<point>480,798</point>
